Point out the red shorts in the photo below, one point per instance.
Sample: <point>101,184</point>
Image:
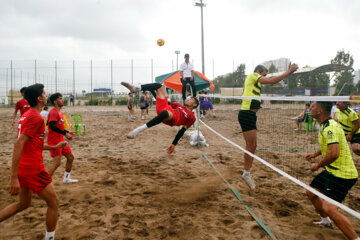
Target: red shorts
<point>61,151</point>
<point>162,104</point>
<point>35,182</point>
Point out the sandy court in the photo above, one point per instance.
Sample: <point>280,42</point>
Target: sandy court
<point>132,189</point>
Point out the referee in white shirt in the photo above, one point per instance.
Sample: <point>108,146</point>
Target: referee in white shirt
<point>187,76</point>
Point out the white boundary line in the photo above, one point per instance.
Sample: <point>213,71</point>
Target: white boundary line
<point>300,99</point>
<point>319,194</point>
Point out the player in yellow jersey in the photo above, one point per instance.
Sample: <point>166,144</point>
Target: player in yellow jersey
<point>349,121</point>
<point>247,115</point>
<point>340,173</point>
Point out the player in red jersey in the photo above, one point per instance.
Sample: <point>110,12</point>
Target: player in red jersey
<point>28,173</point>
<point>56,134</point>
<point>172,114</point>
<point>21,105</point>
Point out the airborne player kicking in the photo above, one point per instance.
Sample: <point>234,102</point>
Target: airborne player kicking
<point>172,114</point>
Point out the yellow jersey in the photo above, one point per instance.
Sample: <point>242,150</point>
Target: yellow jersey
<point>346,119</point>
<point>331,133</point>
<point>252,88</point>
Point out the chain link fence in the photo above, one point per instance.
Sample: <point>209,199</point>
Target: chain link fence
<point>77,77</point>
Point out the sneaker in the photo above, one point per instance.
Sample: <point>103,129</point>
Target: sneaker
<point>142,117</point>
<point>133,133</point>
<point>324,224</point>
<point>214,116</point>
<point>296,129</point>
<point>132,88</point>
<point>248,179</point>
<point>69,180</point>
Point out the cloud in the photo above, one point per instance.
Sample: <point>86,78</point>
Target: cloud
<point>112,22</point>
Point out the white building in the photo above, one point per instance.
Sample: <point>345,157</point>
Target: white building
<point>281,64</point>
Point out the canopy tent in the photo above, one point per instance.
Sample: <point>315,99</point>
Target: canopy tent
<point>331,68</point>
<point>311,70</point>
<point>172,81</point>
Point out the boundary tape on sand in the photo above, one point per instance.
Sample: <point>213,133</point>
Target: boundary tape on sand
<point>120,151</point>
<point>252,214</point>
<point>289,148</point>
<point>284,174</point>
<point>111,115</point>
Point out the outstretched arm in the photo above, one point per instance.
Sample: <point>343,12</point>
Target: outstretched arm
<point>265,80</point>
<point>176,140</point>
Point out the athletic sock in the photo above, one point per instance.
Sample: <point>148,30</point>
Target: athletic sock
<point>50,235</point>
<point>152,87</point>
<point>325,220</point>
<point>153,92</point>
<point>66,175</point>
<point>142,128</point>
<point>247,171</point>
<point>158,119</point>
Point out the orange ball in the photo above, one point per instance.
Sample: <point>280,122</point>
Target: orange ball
<point>160,42</point>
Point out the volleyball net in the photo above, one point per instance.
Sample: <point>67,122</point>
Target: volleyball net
<point>286,133</point>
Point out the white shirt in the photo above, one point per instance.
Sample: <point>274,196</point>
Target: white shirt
<point>333,111</point>
<point>186,68</point>
<point>44,113</point>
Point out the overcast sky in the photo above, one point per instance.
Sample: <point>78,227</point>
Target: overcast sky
<point>236,31</point>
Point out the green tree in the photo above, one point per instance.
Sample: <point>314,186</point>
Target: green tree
<point>239,76</point>
<point>344,80</point>
<point>235,79</point>
<point>357,87</point>
<point>272,69</point>
<point>308,81</point>
<point>292,81</point>
<point>314,80</point>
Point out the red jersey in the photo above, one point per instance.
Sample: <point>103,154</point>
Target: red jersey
<point>22,105</point>
<point>181,116</point>
<point>54,137</point>
<point>32,125</point>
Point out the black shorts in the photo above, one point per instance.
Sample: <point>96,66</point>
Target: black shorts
<point>143,106</point>
<point>247,120</point>
<point>331,186</point>
<point>355,138</point>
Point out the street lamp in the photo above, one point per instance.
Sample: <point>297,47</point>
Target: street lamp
<point>201,5</point>
<point>177,52</point>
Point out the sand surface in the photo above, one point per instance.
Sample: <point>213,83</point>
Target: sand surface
<point>132,189</point>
